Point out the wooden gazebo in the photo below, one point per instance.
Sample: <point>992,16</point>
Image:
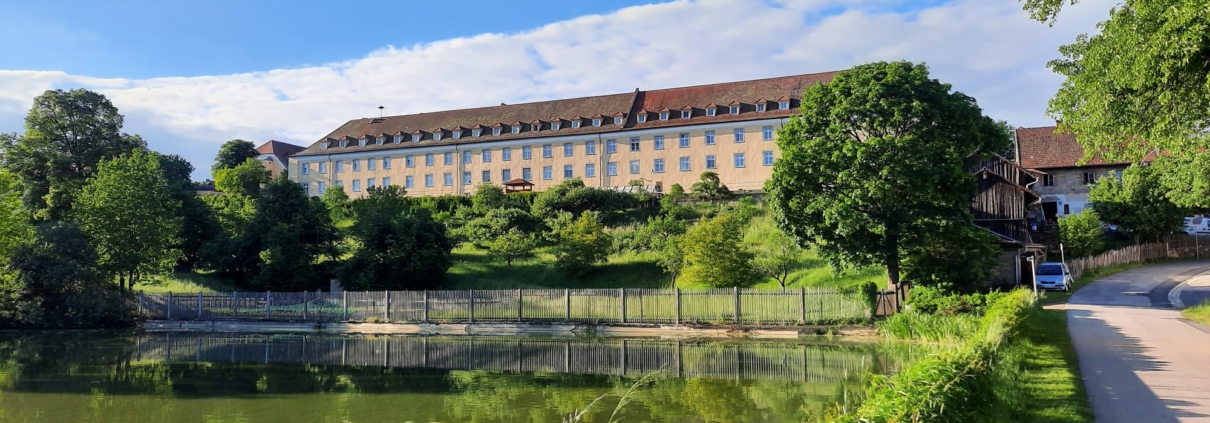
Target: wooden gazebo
<point>518,185</point>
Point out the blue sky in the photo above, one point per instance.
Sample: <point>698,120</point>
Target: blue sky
<point>190,75</point>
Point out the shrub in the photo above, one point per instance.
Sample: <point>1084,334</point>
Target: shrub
<point>582,245</point>
<point>1081,233</point>
<point>932,300</point>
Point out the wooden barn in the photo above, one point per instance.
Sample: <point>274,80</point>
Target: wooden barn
<point>1001,205</point>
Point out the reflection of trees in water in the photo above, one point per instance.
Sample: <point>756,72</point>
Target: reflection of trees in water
<point>108,371</point>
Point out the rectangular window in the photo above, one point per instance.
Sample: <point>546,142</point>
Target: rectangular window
<point>306,188</point>
<point>590,170</point>
<point>568,149</point>
<point>428,159</point>
<point>428,180</point>
<point>739,135</point>
<point>783,105</point>
<point>526,153</point>
<point>322,187</point>
<point>1048,180</point>
<point>408,161</point>
<point>370,183</point>
<point>407,182</point>
<point>487,156</point>
<point>567,171</point>
<point>340,166</point>
<point>659,166</point>
<point>466,178</point>
<point>448,158</point>
<point>306,168</point>
<point>739,159</point>
<point>356,185</point>
<point>506,175</point>
<point>547,151</point>
<point>634,167</point>
<point>466,157</point>
<point>487,176</point>
<point>685,114</point>
<point>1089,178</point>
<point>709,137</point>
<point>527,174</point>
<point>448,179</point>
<point>356,165</point>
<point>590,148</point>
<point>659,142</point>
<point>634,143</point>
<point>340,184</point>
<point>386,181</point>
<point>684,164</point>
<point>611,146</point>
<point>760,107</point>
<point>766,158</point>
<point>506,154</point>
<point>710,163</point>
<point>323,167</point>
<point>685,140</point>
<point>371,163</point>
<point>386,163</point>
<point>710,111</point>
<point>611,168</point>
<point>547,173</point>
<point>767,133</point>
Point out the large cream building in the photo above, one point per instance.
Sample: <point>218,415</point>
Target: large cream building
<point>659,137</point>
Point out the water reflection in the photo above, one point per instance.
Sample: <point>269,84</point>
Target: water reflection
<point>107,377</point>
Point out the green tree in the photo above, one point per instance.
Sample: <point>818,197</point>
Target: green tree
<point>582,245</point>
<point>128,213</point>
<point>776,255</point>
<point>874,161</point>
<point>57,283</point>
<point>1138,86</point>
<point>67,134</point>
<point>1134,203</point>
<point>671,258</point>
<point>670,203</point>
<point>513,245</point>
<point>482,231</point>
<point>337,202</point>
<point>247,178</point>
<point>199,224</point>
<point>1080,233</point>
<point>234,153</point>
<point>1185,179</point>
<point>713,255</point>
<point>287,237</point>
<point>177,171</point>
<point>15,228</point>
<point>710,188</point>
<point>401,246</point>
<point>487,197</point>
<point>957,258</point>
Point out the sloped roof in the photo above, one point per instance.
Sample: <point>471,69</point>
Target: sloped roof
<point>279,149</point>
<point>1042,148</point>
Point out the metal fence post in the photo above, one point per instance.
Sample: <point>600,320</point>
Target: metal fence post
<point>170,305</point>
<point>737,304</point>
<point>344,298</point>
<point>623,296</point>
<point>676,292</point>
<point>234,306</point>
<point>304,306</point>
<point>471,299</point>
<point>520,308</point>
<point>268,304</point>
<point>199,306</point>
<point>802,305</point>
<point>386,306</point>
<point>425,316</point>
<point>567,304</point>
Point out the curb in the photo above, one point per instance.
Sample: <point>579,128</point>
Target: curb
<point>1174,296</point>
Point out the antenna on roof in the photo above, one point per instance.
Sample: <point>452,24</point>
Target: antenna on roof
<point>380,111</point>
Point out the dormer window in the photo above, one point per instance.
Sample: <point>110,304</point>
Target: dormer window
<point>535,127</point>
<point>760,107</point>
<point>642,117</point>
<point>783,105</point>
<point>516,129</point>
<point>476,132</point>
<point>596,122</point>
<point>344,143</point>
<point>380,140</point>
<point>617,120</point>
<point>361,142</point>
<point>398,139</point>
<point>415,137</point>
<point>663,115</point>
<point>457,133</point>
<point>496,131</point>
<point>735,110</point>
<point>323,145</point>
<point>685,114</point>
<point>554,126</point>
<point>437,136</point>
<point>710,111</point>
<point>575,124</point>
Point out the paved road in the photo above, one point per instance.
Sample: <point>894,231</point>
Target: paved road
<point>1140,360</point>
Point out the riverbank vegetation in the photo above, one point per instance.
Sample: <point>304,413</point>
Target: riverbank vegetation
<point>1199,313</point>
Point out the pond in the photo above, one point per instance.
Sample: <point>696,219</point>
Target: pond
<point>190,377</point>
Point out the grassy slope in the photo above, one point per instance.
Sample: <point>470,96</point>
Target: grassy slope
<point>1050,376</point>
<point>185,282</point>
<point>1199,313</point>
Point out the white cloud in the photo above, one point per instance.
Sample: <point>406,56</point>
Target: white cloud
<point>986,48</point>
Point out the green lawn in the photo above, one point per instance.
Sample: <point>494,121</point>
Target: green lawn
<point>185,282</point>
<point>1049,373</point>
<point>1199,313</point>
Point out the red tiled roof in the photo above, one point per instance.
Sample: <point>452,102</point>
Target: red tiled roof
<point>280,149</point>
<point>744,92</point>
<point>1042,148</point>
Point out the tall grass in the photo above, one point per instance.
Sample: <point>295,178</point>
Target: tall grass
<point>915,326</point>
<point>1199,313</point>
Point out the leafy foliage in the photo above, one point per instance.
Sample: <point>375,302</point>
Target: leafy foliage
<point>776,256</point>
<point>513,245</point>
<point>710,188</point>
<point>582,245</point>
<point>1133,203</point>
<point>247,178</point>
<point>875,161</point>
<point>957,258</point>
<point>401,246</point>
<point>573,197</point>
<point>482,231</point>
<point>337,202</point>
<point>1080,233</point>
<point>713,255</point>
<point>234,153</point>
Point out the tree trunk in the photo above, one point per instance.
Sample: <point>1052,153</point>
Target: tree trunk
<point>892,261</point>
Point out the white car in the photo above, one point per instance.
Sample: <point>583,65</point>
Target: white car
<point>1053,275</point>
<point>1197,225</point>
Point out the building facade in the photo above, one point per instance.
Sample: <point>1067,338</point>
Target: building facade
<point>1063,183</point>
<point>275,155</point>
<point>658,137</point>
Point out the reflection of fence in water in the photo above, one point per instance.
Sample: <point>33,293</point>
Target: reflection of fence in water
<point>790,362</point>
